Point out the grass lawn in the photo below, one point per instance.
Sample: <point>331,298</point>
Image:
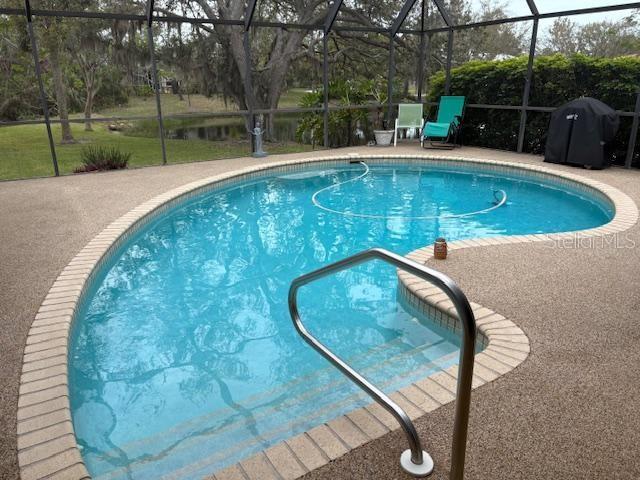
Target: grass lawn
<point>141,106</point>
<point>24,149</point>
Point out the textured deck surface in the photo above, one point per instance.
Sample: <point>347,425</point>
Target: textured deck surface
<point>568,412</point>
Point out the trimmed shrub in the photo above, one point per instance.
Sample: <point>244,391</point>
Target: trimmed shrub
<point>103,158</point>
<point>556,80</point>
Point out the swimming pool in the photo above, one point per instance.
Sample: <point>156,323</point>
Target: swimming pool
<point>183,357</point>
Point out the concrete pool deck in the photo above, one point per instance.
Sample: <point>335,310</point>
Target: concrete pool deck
<point>567,412</point>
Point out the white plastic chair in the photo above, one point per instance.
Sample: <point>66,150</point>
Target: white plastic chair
<point>409,116</point>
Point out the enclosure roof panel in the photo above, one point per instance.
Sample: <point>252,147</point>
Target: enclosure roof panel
<point>102,6</point>
<point>307,12</point>
<point>358,15</point>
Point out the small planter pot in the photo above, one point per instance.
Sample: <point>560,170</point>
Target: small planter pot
<point>383,137</point>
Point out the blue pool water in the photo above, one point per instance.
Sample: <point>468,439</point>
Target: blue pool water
<point>184,359</point>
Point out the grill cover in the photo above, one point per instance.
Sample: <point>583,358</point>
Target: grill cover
<point>578,132</point>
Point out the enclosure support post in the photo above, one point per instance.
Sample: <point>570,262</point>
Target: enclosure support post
<point>427,57</point>
<point>156,83</point>
<point>392,71</point>
<point>395,28</point>
<point>248,81</point>
<point>325,88</point>
<point>527,86</point>
<point>328,25</point>
<point>447,83</point>
<point>634,133</point>
<point>419,80</point>
<point>248,87</point>
<point>43,95</point>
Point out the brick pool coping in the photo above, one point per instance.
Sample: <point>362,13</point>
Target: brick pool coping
<point>47,446</point>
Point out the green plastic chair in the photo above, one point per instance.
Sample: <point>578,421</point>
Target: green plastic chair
<point>447,125</point>
<point>409,116</point>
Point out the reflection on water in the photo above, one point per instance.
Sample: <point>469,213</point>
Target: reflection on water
<point>184,358</point>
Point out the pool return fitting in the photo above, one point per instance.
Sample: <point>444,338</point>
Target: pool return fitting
<point>415,460</point>
<point>500,199</point>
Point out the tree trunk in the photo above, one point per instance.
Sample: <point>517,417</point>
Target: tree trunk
<point>88,108</point>
<point>267,86</point>
<point>61,95</point>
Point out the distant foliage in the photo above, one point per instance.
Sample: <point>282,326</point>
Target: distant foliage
<point>111,92</point>
<point>603,38</point>
<point>347,126</point>
<point>342,123</point>
<point>557,79</point>
<point>19,95</point>
<point>103,158</point>
<point>143,90</point>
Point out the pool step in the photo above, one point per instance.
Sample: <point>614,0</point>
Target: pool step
<point>216,442</point>
<point>388,349</point>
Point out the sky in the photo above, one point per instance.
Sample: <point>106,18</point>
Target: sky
<point>519,7</point>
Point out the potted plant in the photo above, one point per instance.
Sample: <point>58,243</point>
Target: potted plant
<point>381,132</point>
<point>382,135</point>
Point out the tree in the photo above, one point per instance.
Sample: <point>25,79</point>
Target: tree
<point>90,55</point>
<point>214,57</point>
<point>19,96</point>
<point>562,37</point>
<point>129,49</point>
<point>610,39</point>
<point>599,39</point>
<point>494,41</point>
<point>483,43</point>
<point>53,34</point>
<point>273,49</point>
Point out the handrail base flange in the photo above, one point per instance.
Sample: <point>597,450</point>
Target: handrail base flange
<point>419,471</point>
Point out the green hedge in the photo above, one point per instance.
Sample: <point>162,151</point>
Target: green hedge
<point>556,80</point>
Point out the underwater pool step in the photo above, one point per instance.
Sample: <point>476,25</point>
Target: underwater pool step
<point>262,401</point>
<point>238,437</point>
<point>377,355</point>
<point>202,464</point>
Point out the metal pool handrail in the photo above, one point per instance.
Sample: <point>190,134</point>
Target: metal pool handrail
<point>415,461</point>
